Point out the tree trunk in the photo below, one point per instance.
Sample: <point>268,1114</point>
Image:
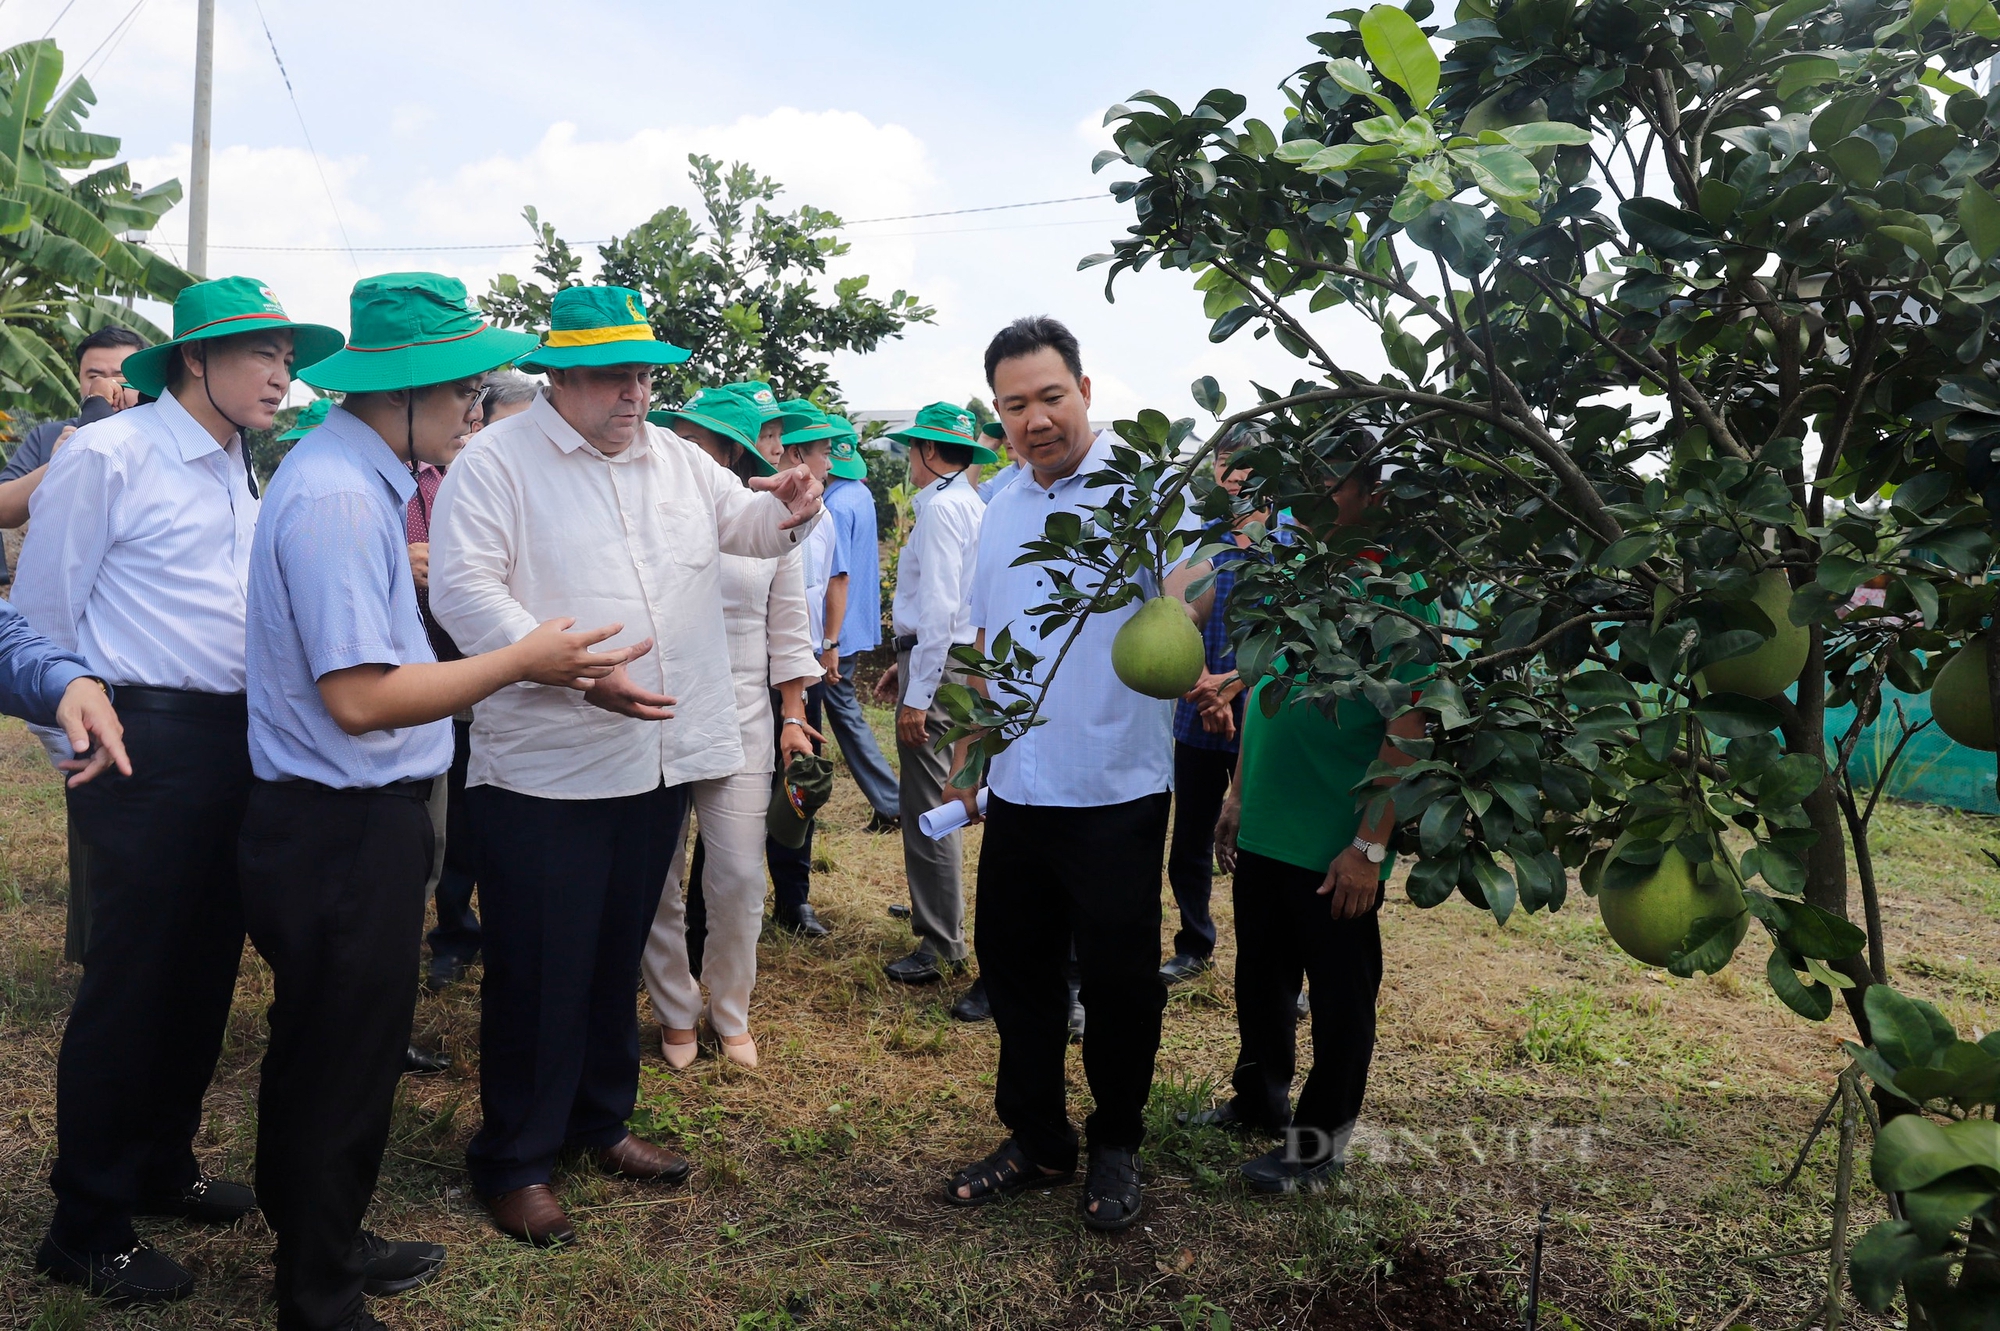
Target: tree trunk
<point>1804,728</point>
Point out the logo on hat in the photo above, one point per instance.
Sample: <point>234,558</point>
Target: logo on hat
<point>632,304</point>
<point>765,396</point>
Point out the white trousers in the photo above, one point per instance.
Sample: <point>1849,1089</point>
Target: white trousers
<point>731,810</point>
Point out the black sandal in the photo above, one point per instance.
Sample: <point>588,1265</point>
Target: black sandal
<point>1002,1174</point>
<point>1113,1183</point>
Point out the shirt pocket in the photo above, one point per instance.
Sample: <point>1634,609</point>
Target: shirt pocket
<point>686,533</point>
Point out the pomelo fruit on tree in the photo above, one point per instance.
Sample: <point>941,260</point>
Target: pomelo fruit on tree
<point>1158,650</point>
<point>1775,666</point>
<point>1959,700</point>
<point>1650,920</point>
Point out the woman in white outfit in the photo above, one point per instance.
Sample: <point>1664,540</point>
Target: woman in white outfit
<point>764,611</point>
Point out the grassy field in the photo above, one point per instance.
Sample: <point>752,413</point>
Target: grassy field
<point>1518,1067</point>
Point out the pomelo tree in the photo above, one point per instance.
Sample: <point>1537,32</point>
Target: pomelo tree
<point>1685,323</point>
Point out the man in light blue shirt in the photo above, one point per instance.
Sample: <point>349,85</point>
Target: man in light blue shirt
<point>350,731</point>
<point>1076,814</point>
<point>854,625</point>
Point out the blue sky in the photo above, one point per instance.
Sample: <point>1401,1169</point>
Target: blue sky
<point>435,121</point>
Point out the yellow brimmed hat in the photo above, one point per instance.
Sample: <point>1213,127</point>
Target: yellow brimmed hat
<point>600,326</point>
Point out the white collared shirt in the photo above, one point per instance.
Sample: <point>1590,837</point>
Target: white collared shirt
<point>764,612</point>
<point>1102,743</point>
<point>934,581</point>
<point>531,524</point>
<point>821,549</point>
<point>138,551</point>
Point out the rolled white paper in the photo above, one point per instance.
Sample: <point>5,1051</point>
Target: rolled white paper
<point>947,818</point>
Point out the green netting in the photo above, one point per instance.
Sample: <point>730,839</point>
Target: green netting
<point>1932,770</point>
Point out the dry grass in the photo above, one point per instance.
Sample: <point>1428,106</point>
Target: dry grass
<point>1517,1066</point>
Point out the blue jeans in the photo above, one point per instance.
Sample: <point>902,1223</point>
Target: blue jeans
<point>857,742</point>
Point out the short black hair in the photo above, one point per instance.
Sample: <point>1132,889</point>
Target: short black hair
<point>1024,337</point>
<point>111,335</point>
<point>958,455</point>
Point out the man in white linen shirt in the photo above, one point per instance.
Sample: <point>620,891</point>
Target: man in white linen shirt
<point>932,614</point>
<point>1076,818</point>
<point>576,798</point>
<point>138,560</point>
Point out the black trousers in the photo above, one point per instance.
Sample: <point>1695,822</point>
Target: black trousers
<point>791,869</point>
<point>159,965</point>
<point>569,889</point>
<point>333,894</point>
<point>457,931</point>
<point>1047,876</point>
<point>1285,930</point>
<point>1201,780</point>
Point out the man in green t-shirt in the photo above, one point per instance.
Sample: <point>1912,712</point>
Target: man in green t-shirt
<point>1309,874</point>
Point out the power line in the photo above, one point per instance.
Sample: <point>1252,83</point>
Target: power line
<point>960,212</point>
<point>57,19</point>
<point>111,39</point>
<point>584,244</point>
<point>330,203</point>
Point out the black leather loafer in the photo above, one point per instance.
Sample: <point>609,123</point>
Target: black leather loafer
<point>139,1274</point>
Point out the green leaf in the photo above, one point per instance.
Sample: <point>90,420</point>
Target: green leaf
<point>1709,945</point>
<point>1500,172</point>
<point>1940,1207</point>
<point>1543,134</point>
<point>1658,225</point>
<point>1913,1151</point>
<point>1908,1031</point>
<point>1599,688</point>
<point>1979,215</point>
<point>1813,1001</point>
<point>1876,1266</point>
<point>1858,160</point>
<point>1401,51</point>
<point>1629,551</point>
<point>1734,716</point>
<point>1788,782</point>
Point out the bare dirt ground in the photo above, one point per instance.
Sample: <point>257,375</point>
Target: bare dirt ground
<point>1518,1067</point>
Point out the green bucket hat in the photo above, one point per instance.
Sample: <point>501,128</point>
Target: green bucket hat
<point>311,416</point>
<point>411,330</point>
<point>600,326</point>
<point>223,308</point>
<point>807,785</point>
<point>816,425</point>
<point>993,430</point>
<point>731,415</point>
<point>943,423</point>
<point>787,414</point>
<point>848,464</point>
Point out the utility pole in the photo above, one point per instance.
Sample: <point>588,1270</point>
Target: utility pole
<point>204,99</point>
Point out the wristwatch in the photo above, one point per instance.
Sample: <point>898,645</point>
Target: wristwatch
<point>1375,851</point>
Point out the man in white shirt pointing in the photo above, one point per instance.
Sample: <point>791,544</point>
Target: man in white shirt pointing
<point>576,798</point>
<point>933,614</point>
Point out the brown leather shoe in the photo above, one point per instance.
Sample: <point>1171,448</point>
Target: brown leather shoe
<point>531,1214</point>
<point>635,1159</point>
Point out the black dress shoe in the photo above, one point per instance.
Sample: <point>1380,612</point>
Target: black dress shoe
<point>1225,1116</point>
<point>1280,1171</point>
<point>923,966</point>
<point>206,1201</point>
<point>1184,966</point>
<point>389,1267</point>
<point>899,912</point>
<point>1075,1017</point>
<point>973,1005</point>
<point>139,1274</point>
<point>422,1063</point>
<point>884,823</point>
<point>1302,1005</point>
<point>804,922</point>
<point>444,972</point>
